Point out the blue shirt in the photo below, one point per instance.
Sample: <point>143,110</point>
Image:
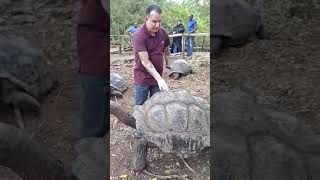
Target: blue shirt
<point>132,29</point>
<point>191,25</point>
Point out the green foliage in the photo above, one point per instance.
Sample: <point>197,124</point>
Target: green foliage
<point>125,12</point>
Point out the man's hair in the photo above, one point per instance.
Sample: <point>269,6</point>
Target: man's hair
<point>153,7</point>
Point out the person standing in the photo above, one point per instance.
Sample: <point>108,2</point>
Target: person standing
<point>132,29</point>
<point>92,44</point>
<point>192,27</point>
<point>151,48</point>
<point>179,28</point>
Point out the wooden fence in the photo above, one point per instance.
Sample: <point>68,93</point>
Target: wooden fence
<point>125,40</point>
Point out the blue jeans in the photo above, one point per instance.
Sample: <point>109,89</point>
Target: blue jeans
<point>143,92</point>
<point>176,45</point>
<point>94,106</point>
<point>190,40</point>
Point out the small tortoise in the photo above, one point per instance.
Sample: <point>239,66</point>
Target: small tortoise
<point>234,22</point>
<point>178,68</point>
<point>177,122</point>
<point>24,74</point>
<point>117,84</point>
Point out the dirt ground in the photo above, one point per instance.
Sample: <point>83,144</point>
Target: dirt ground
<point>284,70</point>
<point>122,141</point>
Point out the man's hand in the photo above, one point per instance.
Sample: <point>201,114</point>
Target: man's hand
<point>163,85</point>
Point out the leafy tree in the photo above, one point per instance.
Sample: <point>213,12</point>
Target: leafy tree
<point>125,12</point>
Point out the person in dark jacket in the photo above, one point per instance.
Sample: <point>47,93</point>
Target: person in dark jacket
<point>176,45</point>
<point>92,44</point>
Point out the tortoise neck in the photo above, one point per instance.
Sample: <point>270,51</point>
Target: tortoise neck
<point>122,115</point>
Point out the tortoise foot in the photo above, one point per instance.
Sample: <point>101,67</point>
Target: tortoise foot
<point>140,157</point>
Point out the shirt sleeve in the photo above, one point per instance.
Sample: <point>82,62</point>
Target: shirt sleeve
<point>139,43</point>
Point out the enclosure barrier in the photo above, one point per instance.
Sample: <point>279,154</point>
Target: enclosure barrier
<point>122,40</point>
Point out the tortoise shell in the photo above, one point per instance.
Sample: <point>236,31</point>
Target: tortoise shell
<point>176,121</point>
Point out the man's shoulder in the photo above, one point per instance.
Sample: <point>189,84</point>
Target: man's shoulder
<point>194,20</point>
<point>140,32</point>
<point>163,30</point>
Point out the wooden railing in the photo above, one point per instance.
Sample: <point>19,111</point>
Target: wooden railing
<point>184,36</point>
<point>120,41</point>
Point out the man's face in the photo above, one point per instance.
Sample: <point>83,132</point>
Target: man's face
<point>153,22</point>
<point>190,18</point>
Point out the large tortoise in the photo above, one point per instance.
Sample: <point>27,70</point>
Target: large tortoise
<point>32,161</point>
<point>179,67</point>
<point>117,84</point>
<point>233,23</point>
<point>176,122</point>
<point>24,74</point>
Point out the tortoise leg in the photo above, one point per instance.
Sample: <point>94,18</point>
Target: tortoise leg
<point>217,46</point>
<point>176,76</point>
<point>18,117</point>
<point>16,99</point>
<point>140,157</point>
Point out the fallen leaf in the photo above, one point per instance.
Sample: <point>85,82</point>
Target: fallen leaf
<point>167,171</point>
<point>124,176</point>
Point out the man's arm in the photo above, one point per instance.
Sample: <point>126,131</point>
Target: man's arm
<point>105,5</point>
<point>144,57</point>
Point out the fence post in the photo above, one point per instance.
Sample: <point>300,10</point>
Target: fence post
<point>120,42</point>
<point>204,37</point>
<point>183,45</point>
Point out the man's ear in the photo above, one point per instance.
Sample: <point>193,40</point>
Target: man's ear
<point>146,18</point>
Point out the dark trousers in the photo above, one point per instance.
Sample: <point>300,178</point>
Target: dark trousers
<point>177,46</point>
<point>143,92</point>
<point>94,106</point>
